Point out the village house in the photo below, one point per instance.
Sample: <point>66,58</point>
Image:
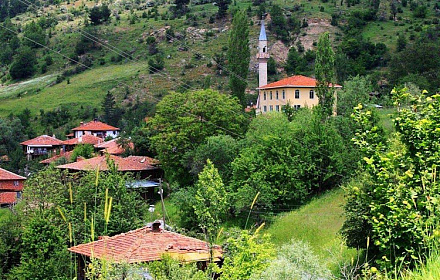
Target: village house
<point>96,128</point>
<point>143,166</point>
<point>11,186</point>
<point>298,91</point>
<point>146,244</point>
<point>43,145</point>
<point>112,147</point>
<point>69,144</point>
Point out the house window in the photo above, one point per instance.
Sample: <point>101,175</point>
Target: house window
<point>277,108</point>
<point>297,94</point>
<point>15,183</point>
<point>296,107</point>
<point>271,108</point>
<point>265,108</point>
<point>312,94</point>
<point>270,95</point>
<point>18,195</point>
<point>284,94</point>
<point>276,94</point>
<point>264,96</point>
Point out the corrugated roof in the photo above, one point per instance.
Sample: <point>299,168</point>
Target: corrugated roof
<point>95,126</point>
<point>145,245</point>
<point>43,140</point>
<point>294,81</point>
<point>8,175</point>
<point>132,163</point>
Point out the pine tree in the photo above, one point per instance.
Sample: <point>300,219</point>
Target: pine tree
<point>324,74</point>
<point>108,107</point>
<point>239,55</point>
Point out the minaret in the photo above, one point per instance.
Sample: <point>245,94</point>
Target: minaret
<point>263,56</point>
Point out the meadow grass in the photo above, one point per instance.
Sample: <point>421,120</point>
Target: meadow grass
<point>87,89</point>
<point>318,224</point>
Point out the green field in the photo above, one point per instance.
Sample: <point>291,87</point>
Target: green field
<point>316,223</point>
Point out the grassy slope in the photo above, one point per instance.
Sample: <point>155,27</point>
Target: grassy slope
<point>317,223</point>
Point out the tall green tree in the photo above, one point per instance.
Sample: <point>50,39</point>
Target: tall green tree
<point>24,64</point>
<point>35,33</point>
<point>222,8</point>
<point>239,55</point>
<point>356,91</point>
<point>184,120</point>
<point>211,201</point>
<point>325,73</point>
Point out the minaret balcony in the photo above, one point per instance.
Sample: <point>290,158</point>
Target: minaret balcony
<point>262,55</point>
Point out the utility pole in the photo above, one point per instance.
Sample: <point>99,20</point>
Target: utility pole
<point>161,199</point>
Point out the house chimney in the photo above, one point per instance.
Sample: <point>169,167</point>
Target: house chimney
<point>102,237</point>
<point>156,226</point>
<point>81,123</point>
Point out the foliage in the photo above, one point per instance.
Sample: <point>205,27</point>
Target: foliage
<point>418,62</point>
<point>99,14</point>
<point>324,73</point>
<point>24,63</point>
<point>10,241</point>
<point>295,63</point>
<point>271,66</point>
<point>356,91</point>
<point>44,253</point>
<point>247,255</point>
<point>82,150</point>
<point>36,35</point>
<point>287,161</point>
<point>399,199</point>
<point>278,23</point>
<point>112,113</point>
<point>221,150</point>
<point>239,55</point>
<point>184,120</point>
<point>222,8</point>
<point>295,260</point>
<point>156,64</point>
<point>170,269</point>
<point>210,201</point>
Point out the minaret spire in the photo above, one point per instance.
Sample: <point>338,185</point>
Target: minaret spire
<point>263,56</point>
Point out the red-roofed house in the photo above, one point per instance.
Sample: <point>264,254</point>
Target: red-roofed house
<point>61,156</point>
<point>112,147</point>
<point>11,186</point>
<point>299,91</point>
<point>70,144</point>
<point>144,166</point>
<point>41,146</point>
<point>96,128</point>
<point>147,244</point>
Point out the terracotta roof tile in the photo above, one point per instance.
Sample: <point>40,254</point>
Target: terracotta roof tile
<point>65,155</point>
<point>294,81</point>
<point>132,163</point>
<point>8,197</point>
<point>85,139</point>
<point>112,147</point>
<point>145,245</point>
<point>8,175</point>
<point>43,140</point>
<point>95,126</point>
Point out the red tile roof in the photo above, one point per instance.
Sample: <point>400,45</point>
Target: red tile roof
<point>8,197</point>
<point>65,155</point>
<point>95,126</point>
<point>132,163</point>
<point>43,140</point>
<point>145,245</point>
<point>8,175</point>
<point>85,139</point>
<point>112,147</point>
<point>294,81</point>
